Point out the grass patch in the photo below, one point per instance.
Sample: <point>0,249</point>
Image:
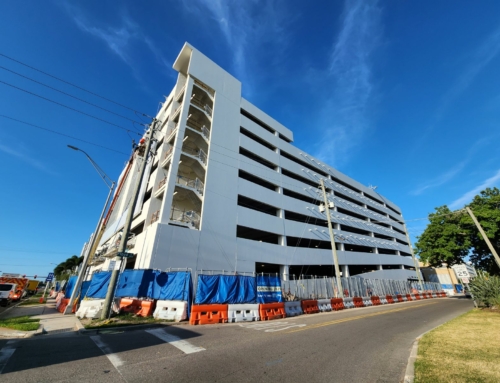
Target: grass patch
<point>23,323</point>
<point>120,320</point>
<point>465,349</point>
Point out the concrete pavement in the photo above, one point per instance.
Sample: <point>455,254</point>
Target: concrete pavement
<point>361,345</point>
<point>51,320</point>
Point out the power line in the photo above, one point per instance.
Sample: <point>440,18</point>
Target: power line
<point>62,134</point>
<point>69,107</point>
<point>76,86</point>
<point>70,95</point>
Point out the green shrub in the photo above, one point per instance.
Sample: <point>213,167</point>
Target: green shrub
<point>486,289</point>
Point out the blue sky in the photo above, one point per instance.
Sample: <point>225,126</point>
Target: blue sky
<point>402,95</point>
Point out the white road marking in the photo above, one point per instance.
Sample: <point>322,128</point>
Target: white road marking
<point>5,354</point>
<point>175,341</point>
<point>272,326</point>
<point>113,358</point>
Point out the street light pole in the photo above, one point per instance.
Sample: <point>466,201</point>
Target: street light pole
<point>90,246</point>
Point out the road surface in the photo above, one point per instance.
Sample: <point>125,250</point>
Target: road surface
<point>361,345</point>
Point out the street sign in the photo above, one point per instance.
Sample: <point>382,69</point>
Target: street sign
<point>125,255</point>
<point>112,265</point>
<point>465,280</point>
<point>464,271</point>
<point>50,277</point>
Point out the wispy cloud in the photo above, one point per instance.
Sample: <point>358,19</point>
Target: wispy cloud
<point>480,57</point>
<point>121,40</point>
<point>246,26</point>
<point>467,197</point>
<point>453,172</point>
<point>26,158</point>
<point>344,118</point>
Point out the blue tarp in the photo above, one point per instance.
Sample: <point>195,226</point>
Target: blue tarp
<point>85,287</point>
<point>222,289</point>
<point>136,283</point>
<point>99,285</point>
<point>268,289</point>
<point>69,286</point>
<point>153,284</point>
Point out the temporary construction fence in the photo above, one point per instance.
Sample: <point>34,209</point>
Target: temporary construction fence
<point>326,288</point>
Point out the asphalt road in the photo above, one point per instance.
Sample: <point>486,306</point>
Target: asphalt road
<point>361,345</point>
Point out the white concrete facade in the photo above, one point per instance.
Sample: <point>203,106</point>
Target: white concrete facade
<point>227,190</point>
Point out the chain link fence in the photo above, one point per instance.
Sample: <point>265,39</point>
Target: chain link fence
<point>320,288</point>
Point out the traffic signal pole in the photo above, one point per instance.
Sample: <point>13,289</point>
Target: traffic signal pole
<point>128,223</point>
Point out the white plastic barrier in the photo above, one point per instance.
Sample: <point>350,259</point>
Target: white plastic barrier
<point>171,310</point>
<point>413,297</point>
<point>243,313</point>
<point>404,298</point>
<point>395,299</point>
<point>348,304</point>
<point>324,305</point>
<point>383,300</point>
<point>92,308</point>
<point>293,309</point>
<point>367,301</point>
<point>434,295</point>
<point>89,305</point>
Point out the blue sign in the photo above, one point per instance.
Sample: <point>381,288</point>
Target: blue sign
<point>50,277</point>
<point>268,289</point>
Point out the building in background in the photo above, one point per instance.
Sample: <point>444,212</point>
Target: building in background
<point>444,275</point>
<point>227,190</point>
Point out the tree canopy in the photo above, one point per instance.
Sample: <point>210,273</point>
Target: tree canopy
<point>68,267</point>
<point>451,236</point>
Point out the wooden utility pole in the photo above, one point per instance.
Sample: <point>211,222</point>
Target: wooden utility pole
<point>332,240</point>
<point>486,239</point>
<point>128,223</point>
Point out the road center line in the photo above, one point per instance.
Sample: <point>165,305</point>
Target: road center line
<point>115,360</point>
<point>357,317</point>
<point>5,354</point>
<point>183,345</point>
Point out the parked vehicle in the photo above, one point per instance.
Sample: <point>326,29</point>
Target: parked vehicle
<point>20,289</point>
<point>32,286</point>
<point>7,292</point>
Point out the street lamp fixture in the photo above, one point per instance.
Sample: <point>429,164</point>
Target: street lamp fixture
<point>111,185</point>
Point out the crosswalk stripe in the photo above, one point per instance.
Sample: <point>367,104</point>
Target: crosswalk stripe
<point>175,341</point>
<point>113,358</point>
<point>5,354</point>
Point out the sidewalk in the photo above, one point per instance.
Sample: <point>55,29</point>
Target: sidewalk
<point>51,321</point>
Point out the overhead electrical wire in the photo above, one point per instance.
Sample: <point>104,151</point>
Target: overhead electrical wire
<point>62,134</point>
<point>74,85</point>
<point>71,108</point>
<point>70,95</point>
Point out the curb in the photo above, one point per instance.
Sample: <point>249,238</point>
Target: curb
<point>410,367</point>
<point>16,334</point>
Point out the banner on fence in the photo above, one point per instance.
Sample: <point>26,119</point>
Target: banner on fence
<point>268,289</point>
<point>225,289</point>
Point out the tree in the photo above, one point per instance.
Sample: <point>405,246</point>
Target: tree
<point>451,236</point>
<point>68,267</point>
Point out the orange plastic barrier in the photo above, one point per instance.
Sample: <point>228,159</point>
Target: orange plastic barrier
<point>208,314</point>
<point>389,299</point>
<point>425,296</point>
<point>269,311</point>
<point>408,297</point>
<point>376,300</point>
<point>142,308</point>
<point>310,306</point>
<point>417,297</point>
<point>62,306</point>
<point>400,298</point>
<point>358,302</point>
<point>337,304</point>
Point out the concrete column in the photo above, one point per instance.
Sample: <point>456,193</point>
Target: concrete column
<point>284,273</point>
<point>402,267</point>
<point>379,267</point>
<point>345,271</point>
